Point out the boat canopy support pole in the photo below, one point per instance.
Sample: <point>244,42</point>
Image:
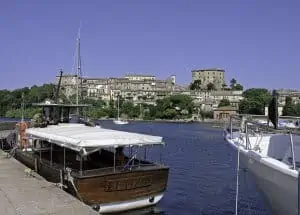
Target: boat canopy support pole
<point>139,158</point>
<point>64,158</point>
<point>114,159</point>
<point>292,148</point>
<point>81,165</point>
<point>247,137</point>
<point>145,153</point>
<point>231,128</point>
<point>298,193</point>
<point>51,154</point>
<point>160,154</point>
<point>41,143</point>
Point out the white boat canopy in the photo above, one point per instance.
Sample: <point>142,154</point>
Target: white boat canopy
<point>80,137</point>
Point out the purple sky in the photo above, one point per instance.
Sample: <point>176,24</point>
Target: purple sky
<point>257,42</point>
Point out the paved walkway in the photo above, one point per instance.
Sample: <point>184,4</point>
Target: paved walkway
<point>21,194</point>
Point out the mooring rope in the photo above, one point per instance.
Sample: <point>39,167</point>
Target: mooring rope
<point>71,180</point>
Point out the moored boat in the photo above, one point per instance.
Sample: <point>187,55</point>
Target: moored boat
<point>273,159</point>
<point>102,167</point>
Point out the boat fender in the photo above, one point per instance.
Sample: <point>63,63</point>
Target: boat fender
<point>151,199</point>
<point>96,207</point>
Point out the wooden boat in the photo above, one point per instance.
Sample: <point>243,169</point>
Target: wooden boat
<point>92,163</point>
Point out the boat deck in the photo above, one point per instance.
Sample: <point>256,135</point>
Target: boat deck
<point>24,193</point>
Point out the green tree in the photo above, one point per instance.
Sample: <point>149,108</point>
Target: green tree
<point>224,102</point>
<point>130,110</point>
<point>273,110</point>
<point>235,86</point>
<point>289,109</point>
<point>238,87</point>
<point>11,100</point>
<point>170,113</point>
<point>167,107</point>
<point>196,85</point>
<point>206,114</point>
<point>255,100</point>
<point>232,83</point>
<point>211,86</point>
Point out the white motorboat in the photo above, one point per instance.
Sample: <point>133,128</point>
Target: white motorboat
<point>274,160</point>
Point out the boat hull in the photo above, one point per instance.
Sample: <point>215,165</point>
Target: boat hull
<point>123,191</point>
<point>108,191</point>
<point>130,205</point>
<point>120,122</point>
<point>279,188</point>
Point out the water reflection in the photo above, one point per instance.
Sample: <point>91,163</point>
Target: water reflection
<point>202,176</point>
<point>145,211</point>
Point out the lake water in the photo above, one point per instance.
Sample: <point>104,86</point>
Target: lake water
<point>202,177</point>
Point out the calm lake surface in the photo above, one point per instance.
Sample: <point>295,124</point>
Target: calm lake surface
<point>202,177</point>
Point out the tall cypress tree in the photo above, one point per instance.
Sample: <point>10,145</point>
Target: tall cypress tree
<point>273,110</point>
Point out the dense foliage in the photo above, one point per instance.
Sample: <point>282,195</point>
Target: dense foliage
<point>255,100</point>
<point>196,85</point>
<point>11,101</point>
<point>224,102</point>
<point>172,107</point>
<point>290,109</point>
<point>235,86</point>
<point>211,86</point>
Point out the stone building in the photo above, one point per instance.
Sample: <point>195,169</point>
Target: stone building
<point>206,76</point>
<point>209,100</point>
<point>283,93</point>
<point>137,88</point>
<point>224,113</point>
<point>147,90</point>
<point>139,77</point>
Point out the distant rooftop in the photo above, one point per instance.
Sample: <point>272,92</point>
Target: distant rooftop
<point>287,91</point>
<point>138,75</point>
<point>50,103</point>
<point>226,108</point>
<point>208,69</point>
<point>67,75</point>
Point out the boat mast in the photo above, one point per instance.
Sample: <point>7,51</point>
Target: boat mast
<point>118,107</point>
<point>78,71</point>
<point>22,108</point>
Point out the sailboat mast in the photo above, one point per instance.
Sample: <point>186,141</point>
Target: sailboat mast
<point>118,107</point>
<point>22,108</point>
<point>78,72</point>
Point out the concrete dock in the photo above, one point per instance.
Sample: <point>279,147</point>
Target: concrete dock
<point>24,194</point>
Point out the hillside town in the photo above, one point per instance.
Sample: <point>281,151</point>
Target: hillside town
<point>208,89</point>
<point>148,89</point>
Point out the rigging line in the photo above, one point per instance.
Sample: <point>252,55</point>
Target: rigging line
<point>245,177</point>
<point>237,180</point>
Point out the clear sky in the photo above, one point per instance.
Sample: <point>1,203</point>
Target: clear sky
<point>255,41</point>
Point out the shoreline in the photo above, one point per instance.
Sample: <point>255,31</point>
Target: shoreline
<point>8,124</point>
<point>209,122</point>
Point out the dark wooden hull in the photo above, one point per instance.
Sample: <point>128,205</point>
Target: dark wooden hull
<point>103,186</point>
<point>122,186</point>
<point>50,173</point>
